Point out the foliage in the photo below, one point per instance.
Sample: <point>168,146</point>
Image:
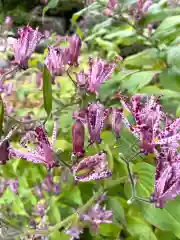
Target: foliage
<point>152,70</point>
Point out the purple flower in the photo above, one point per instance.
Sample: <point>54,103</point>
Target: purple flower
<point>78,134</point>
<point>141,9</point>
<point>97,215</point>
<point>146,6</point>
<point>73,51</point>
<point>82,79</point>
<point>74,232</point>
<point>92,168</point>
<point>38,191</point>
<point>55,61</point>
<point>148,117</point>
<point>4,152</point>
<point>167,177</point>
<point>8,22</point>
<point>116,121</point>
<point>99,71</point>
<point>25,45</point>
<point>13,186</point>
<point>96,116</point>
<point>56,188</point>
<point>40,209</point>
<point>47,184</point>
<point>43,153</point>
<point>111,5</point>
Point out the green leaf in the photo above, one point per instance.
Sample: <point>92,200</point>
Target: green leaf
<point>118,212</point>
<point>108,88</point>
<point>138,80</point>
<point>168,30</point>
<point>173,59</point>
<point>77,15</point>
<point>120,34</point>
<point>145,179</point>
<point>154,90</point>
<point>149,59</point>
<point>1,115</point>
<point>137,227</point>
<point>167,219</point>
<point>169,79</point>
<point>54,213</point>
<point>51,4</point>
<point>109,230</point>
<point>59,235</point>
<point>47,91</point>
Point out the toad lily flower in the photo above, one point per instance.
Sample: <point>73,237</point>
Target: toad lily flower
<point>167,177</point>
<point>73,51</point>
<point>25,45</point>
<point>116,121</point>
<point>99,71</point>
<point>91,168</point>
<point>55,61</point>
<point>96,116</point>
<point>43,153</point>
<point>147,118</point>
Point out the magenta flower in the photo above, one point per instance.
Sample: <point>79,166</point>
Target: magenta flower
<point>116,121</point>
<point>8,22</point>
<point>73,50</point>
<point>97,215</point>
<point>96,117</point>
<point>92,168</point>
<point>78,134</point>
<point>25,45</point>
<point>147,118</point>
<point>55,61</point>
<point>142,8</point>
<point>43,152</point>
<point>167,177</point>
<point>13,186</point>
<point>111,5</point>
<point>74,232</point>
<point>82,79</point>
<point>99,71</point>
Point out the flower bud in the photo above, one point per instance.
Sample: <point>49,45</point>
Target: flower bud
<point>78,138</point>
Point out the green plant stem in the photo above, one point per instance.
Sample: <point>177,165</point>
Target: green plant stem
<point>138,31</point>
<point>68,220</point>
<point>133,189</point>
<point>2,79</point>
<point>74,216</point>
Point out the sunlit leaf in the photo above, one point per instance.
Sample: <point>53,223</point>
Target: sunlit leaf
<point>47,91</point>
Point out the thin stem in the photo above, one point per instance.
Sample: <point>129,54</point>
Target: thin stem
<point>69,219</point>
<point>131,179</point>
<point>122,18</point>
<point>69,75</point>
<point>6,73</point>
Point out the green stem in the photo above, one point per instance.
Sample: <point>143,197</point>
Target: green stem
<point>68,220</point>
